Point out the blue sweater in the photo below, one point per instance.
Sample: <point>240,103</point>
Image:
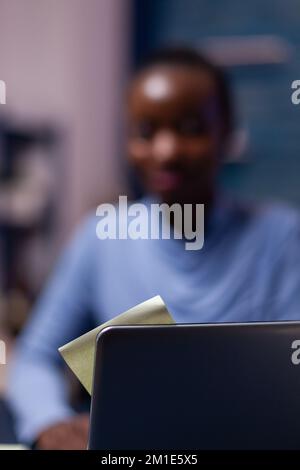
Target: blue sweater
<point>248,270</point>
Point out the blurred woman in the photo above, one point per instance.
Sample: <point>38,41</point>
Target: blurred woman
<point>179,123</point>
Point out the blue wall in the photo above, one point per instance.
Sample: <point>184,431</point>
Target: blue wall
<point>262,92</point>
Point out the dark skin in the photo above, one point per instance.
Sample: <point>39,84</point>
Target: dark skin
<point>66,435</point>
<point>176,135</point>
<point>176,138</point>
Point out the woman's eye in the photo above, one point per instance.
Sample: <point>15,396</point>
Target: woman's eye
<point>192,127</point>
<point>144,130</point>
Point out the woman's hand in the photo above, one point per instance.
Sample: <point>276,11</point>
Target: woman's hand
<point>66,435</point>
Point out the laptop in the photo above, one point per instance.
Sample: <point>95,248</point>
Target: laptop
<point>197,387</point>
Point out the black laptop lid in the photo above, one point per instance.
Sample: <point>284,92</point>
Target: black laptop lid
<point>220,386</point>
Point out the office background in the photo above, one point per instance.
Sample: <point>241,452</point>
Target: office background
<point>259,44</point>
<point>66,64</point>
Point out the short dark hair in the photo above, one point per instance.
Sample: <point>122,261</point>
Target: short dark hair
<point>192,57</point>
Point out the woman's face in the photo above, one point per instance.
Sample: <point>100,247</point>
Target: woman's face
<point>175,132</point>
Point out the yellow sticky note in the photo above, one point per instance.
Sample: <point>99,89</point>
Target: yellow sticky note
<point>79,353</point>
<point>13,447</point>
